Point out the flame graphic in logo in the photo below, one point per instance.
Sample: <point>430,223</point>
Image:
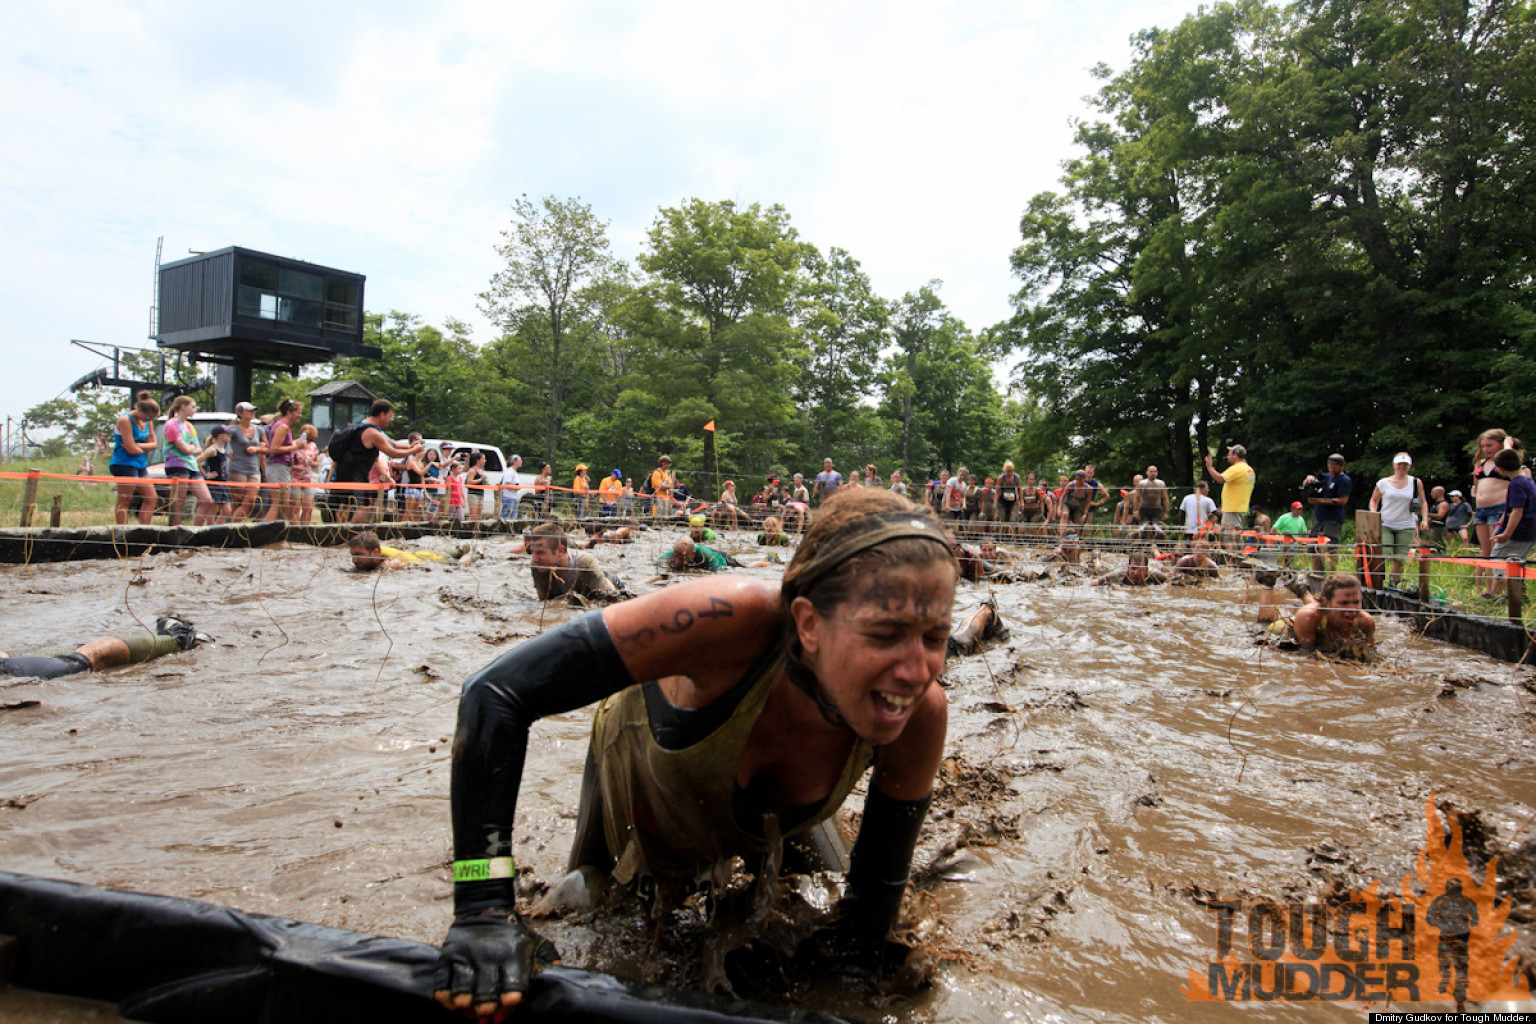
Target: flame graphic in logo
<point>1443,937</point>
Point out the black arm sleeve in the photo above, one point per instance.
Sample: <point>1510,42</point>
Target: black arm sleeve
<point>882,860</point>
<point>564,669</point>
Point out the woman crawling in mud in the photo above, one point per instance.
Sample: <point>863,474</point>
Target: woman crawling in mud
<point>1332,622</point>
<point>759,708</point>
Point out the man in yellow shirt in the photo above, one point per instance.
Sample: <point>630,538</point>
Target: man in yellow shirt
<point>1236,488</point>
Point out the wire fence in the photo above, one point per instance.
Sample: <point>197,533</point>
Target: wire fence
<point>1455,578</point>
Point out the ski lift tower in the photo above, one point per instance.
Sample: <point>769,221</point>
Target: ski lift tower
<point>244,310</point>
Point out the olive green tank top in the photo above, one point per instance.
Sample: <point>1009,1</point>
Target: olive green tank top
<point>673,815</point>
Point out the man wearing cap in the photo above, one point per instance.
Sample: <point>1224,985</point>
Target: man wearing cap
<point>1292,524</point>
<point>511,493</point>
<point>1458,516</point>
<point>1236,489</point>
<point>610,491</point>
<point>661,483</point>
<point>1328,496</point>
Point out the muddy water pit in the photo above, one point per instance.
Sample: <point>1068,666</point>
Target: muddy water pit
<point>1124,756</point>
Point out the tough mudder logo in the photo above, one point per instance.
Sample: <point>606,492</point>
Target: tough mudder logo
<point>1441,938</point>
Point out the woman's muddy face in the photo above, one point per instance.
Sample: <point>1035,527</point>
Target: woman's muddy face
<point>1344,604</point>
<point>879,652</point>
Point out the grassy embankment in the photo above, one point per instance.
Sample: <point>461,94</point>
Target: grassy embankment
<point>1449,582</point>
<point>82,503</point>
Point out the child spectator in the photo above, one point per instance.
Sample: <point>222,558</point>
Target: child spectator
<point>458,497</point>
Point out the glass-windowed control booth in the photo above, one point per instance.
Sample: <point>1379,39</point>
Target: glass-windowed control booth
<point>243,309</point>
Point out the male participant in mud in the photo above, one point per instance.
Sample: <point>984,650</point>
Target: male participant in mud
<point>1332,622</point>
<point>369,554</point>
<point>1135,574</point>
<point>1198,564</point>
<point>558,572</point>
<point>171,636</point>
<point>734,710</point>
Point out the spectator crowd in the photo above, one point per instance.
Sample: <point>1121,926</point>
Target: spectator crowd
<point>272,467</point>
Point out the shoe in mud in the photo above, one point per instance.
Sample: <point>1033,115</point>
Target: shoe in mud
<point>995,628</point>
<point>578,891</point>
<point>185,633</point>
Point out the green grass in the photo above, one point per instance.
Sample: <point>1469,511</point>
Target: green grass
<point>82,504</point>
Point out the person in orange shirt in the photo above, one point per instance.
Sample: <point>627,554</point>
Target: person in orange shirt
<point>610,491</point>
<point>662,482</point>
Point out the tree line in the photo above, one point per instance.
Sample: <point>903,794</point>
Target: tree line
<point>730,317</point>
<point>1303,228</point>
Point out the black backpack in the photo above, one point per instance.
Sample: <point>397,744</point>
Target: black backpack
<point>348,454</point>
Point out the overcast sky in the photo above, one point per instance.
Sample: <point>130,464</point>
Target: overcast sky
<point>390,139</point>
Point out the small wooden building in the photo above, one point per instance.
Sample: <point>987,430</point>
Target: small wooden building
<point>337,404</point>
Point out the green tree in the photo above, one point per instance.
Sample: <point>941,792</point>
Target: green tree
<point>555,251</point>
<point>1301,228</point>
<point>434,379</point>
<point>845,326</point>
<point>714,340</point>
<point>938,388</point>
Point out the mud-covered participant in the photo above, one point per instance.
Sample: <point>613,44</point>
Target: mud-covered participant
<point>557,571</point>
<point>1135,574</point>
<point>689,556</point>
<point>1198,564</point>
<point>773,534</point>
<point>1069,552</point>
<point>369,554</point>
<point>1331,622</point>
<point>761,707</point>
<point>171,636</point>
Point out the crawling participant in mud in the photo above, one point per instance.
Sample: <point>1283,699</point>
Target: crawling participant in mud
<point>1332,622</point>
<point>687,555</point>
<point>369,554</point>
<point>734,711</point>
<point>1068,552</point>
<point>557,572</point>
<point>1197,566</point>
<point>171,636</point>
<point>1135,574</point>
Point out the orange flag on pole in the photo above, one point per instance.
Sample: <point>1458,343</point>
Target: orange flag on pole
<point>710,426</point>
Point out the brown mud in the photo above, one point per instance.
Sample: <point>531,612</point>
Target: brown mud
<point>1124,757</point>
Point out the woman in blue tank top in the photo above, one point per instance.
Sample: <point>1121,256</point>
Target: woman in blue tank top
<point>132,442</point>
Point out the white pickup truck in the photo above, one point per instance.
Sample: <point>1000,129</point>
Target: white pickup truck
<point>495,466</point>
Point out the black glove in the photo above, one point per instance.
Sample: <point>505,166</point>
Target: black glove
<point>488,953</point>
<point>852,943</point>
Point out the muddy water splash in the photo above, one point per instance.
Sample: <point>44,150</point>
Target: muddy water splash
<point>1122,758</point>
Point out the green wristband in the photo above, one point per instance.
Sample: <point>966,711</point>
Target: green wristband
<point>483,870</point>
